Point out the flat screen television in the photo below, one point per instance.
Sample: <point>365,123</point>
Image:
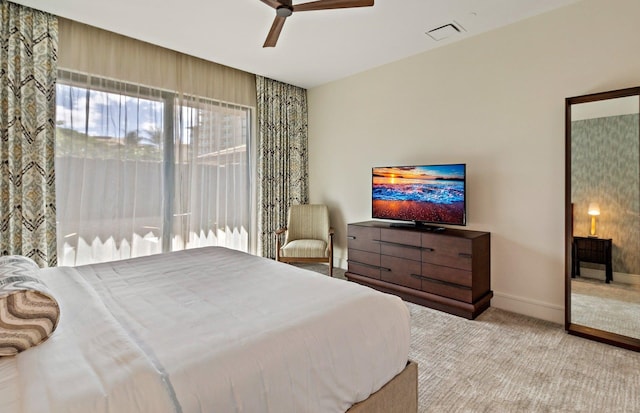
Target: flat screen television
<point>424,194</point>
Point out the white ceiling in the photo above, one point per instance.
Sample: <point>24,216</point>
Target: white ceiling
<point>315,47</point>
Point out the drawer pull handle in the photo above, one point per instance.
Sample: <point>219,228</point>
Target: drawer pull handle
<point>465,255</point>
<point>351,237</point>
<point>364,264</point>
<point>385,269</point>
<point>428,249</point>
<point>397,244</point>
<point>435,281</point>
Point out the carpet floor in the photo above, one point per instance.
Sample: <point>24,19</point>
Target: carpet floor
<point>506,362</point>
<point>611,307</point>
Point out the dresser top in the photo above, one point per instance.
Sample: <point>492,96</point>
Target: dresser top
<point>407,226</point>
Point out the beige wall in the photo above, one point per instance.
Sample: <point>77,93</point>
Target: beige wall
<point>496,103</point>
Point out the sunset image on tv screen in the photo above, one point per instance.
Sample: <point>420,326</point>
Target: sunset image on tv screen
<point>420,193</point>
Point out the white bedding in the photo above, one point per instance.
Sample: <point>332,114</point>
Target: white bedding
<point>207,330</point>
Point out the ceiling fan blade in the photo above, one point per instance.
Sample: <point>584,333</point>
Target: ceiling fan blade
<point>332,4</point>
<point>272,3</point>
<point>274,33</point>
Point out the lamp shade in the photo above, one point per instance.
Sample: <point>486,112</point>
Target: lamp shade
<point>594,209</point>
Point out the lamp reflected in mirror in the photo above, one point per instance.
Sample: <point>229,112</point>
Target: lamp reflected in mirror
<point>594,210</point>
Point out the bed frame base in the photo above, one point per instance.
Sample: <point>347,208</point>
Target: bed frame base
<point>399,395</point>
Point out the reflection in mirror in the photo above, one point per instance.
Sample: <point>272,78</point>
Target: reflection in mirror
<point>605,215</point>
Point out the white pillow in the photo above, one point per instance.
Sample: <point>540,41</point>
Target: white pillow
<point>28,312</point>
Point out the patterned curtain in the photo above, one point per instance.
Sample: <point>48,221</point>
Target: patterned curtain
<point>282,157</point>
<point>28,53</point>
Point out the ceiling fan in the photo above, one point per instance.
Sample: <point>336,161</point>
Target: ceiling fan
<point>284,9</point>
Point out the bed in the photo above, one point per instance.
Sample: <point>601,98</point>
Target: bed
<point>213,330</point>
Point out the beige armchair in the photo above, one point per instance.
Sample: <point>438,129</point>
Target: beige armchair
<point>307,236</point>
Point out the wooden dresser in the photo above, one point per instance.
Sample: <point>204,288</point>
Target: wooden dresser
<point>449,270</point>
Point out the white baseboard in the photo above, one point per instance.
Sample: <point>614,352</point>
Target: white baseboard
<point>529,307</point>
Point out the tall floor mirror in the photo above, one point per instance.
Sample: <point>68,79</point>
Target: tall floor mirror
<point>603,217</point>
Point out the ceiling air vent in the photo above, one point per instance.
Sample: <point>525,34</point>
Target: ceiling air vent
<point>445,31</point>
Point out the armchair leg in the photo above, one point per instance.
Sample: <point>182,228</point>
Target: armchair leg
<point>277,246</point>
<point>331,263</point>
<point>331,252</point>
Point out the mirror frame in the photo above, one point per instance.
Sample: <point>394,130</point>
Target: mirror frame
<point>608,337</point>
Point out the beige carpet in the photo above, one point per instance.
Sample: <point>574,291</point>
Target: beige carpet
<point>611,307</point>
<point>505,362</point>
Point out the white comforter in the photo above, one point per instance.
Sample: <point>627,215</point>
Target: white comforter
<point>207,330</point>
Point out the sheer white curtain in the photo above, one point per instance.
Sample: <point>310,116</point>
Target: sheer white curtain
<point>141,171</point>
<point>152,149</point>
<point>211,175</point>
<point>109,169</point>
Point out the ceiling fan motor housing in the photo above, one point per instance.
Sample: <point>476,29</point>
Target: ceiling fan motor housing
<point>284,11</point>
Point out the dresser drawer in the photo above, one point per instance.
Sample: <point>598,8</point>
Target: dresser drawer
<point>447,290</point>
<point>448,251</point>
<point>395,250</point>
<point>401,244</point>
<point>398,236</point>
<point>400,271</point>
<point>451,275</point>
<point>368,270</point>
<point>364,257</point>
<point>363,238</point>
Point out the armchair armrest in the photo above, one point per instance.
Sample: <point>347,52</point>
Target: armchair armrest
<point>277,234</point>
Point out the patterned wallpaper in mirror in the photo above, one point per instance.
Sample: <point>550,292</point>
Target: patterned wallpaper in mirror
<point>605,168</point>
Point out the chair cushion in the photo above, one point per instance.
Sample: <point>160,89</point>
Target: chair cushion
<point>304,248</point>
<point>308,222</point>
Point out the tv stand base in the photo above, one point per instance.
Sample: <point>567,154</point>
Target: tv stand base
<point>418,225</point>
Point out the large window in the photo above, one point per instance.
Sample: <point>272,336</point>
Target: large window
<point>141,171</point>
